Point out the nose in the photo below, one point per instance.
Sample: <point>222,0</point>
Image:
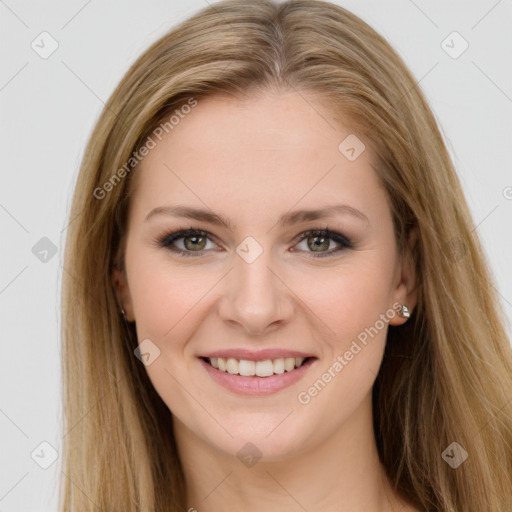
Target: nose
<point>256,298</point>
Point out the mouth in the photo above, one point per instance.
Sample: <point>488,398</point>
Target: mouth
<point>249,368</point>
<point>256,378</point>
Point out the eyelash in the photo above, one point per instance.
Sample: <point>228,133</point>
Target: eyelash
<point>168,239</point>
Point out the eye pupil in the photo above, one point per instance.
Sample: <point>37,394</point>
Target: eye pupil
<point>321,245</point>
<point>194,244</point>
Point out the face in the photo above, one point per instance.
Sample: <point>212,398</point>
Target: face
<point>266,279</point>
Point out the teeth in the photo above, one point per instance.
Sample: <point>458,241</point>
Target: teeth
<point>260,368</point>
<point>279,365</point>
<point>289,364</point>
<point>245,367</point>
<point>232,366</point>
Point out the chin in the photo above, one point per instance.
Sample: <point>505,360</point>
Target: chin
<point>265,443</point>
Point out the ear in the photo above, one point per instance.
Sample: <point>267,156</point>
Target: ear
<point>122,291</point>
<point>405,292</point>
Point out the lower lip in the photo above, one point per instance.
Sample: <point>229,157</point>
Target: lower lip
<point>254,385</point>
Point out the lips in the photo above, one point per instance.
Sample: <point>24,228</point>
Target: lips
<point>259,355</point>
<point>257,385</point>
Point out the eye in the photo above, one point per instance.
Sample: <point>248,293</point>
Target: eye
<point>317,240</point>
<point>194,242</point>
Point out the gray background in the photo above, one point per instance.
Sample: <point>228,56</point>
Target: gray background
<point>48,107</point>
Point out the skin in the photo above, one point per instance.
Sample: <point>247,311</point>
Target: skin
<point>252,161</point>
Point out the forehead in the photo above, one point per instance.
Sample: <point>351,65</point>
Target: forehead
<point>253,153</point>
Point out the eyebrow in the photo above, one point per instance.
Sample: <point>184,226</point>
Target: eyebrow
<point>288,219</point>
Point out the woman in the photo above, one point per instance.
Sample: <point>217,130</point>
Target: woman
<point>212,357</point>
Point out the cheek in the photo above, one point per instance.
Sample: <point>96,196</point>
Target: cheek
<point>169,304</point>
<point>346,300</point>
<point>352,304</point>
<point>353,307</point>
<point>166,298</point>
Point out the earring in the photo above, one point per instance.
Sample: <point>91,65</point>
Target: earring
<point>123,313</point>
<point>404,312</point>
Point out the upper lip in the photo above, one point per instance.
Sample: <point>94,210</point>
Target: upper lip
<point>256,355</point>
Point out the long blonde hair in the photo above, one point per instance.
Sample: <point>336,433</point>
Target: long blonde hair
<point>446,375</point>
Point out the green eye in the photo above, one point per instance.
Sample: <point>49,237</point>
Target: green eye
<point>195,240</point>
<point>317,240</point>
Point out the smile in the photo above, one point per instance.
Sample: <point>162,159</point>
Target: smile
<point>246,377</point>
<point>249,368</point>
